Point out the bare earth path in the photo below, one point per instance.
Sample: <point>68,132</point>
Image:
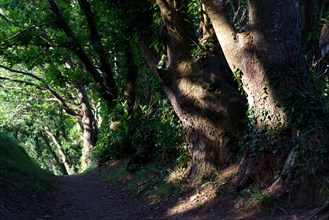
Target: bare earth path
<point>90,197</point>
<point>82,197</point>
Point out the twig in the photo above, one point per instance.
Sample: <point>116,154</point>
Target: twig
<point>282,210</point>
<point>318,211</point>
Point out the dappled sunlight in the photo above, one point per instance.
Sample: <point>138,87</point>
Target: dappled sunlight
<point>204,195</point>
<point>197,199</point>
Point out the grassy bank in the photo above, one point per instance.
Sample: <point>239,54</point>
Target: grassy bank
<point>22,181</point>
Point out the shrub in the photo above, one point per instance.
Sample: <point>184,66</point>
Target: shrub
<point>153,125</point>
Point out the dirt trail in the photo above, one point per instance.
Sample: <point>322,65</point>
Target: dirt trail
<point>90,197</point>
<point>82,197</point>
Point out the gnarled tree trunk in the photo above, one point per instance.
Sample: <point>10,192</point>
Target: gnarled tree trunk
<point>285,105</point>
<point>210,109</point>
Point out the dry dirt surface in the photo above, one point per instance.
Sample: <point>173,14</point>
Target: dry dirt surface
<point>88,196</point>
<point>84,196</point>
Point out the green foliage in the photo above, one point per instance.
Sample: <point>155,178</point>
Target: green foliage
<point>116,174</point>
<point>154,125</point>
<point>21,178</point>
<point>258,196</point>
<point>166,190</point>
<point>111,142</point>
<point>90,168</point>
<point>255,198</point>
<point>151,179</point>
<point>238,15</point>
<point>24,111</point>
<point>32,41</point>
<point>157,27</point>
<point>237,77</point>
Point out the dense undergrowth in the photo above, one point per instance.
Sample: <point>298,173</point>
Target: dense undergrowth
<point>156,180</point>
<point>151,128</point>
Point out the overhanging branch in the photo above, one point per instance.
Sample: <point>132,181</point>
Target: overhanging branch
<point>98,46</point>
<point>45,87</point>
<point>22,82</point>
<point>21,72</point>
<point>81,54</point>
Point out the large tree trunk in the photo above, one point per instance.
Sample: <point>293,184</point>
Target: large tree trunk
<point>282,98</point>
<point>211,111</point>
<point>88,124</point>
<point>274,71</point>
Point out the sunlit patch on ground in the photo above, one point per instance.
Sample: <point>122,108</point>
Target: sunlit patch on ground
<point>206,192</point>
<point>193,201</point>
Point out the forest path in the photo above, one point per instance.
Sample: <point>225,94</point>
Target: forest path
<point>88,196</point>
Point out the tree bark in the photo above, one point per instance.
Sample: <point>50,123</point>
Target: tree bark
<point>277,83</point>
<point>269,56</point>
<point>211,112</point>
<point>61,153</point>
<point>53,154</point>
<point>209,108</point>
<point>130,90</point>
<point>88,124</point>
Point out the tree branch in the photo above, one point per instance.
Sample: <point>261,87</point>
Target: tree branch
<point>98,46</point>
<point>59,147</point>
<point>6,19</point>
<point>12,88</point>
<point>206,30</point>
<point>152,58</point>
<point>176,36</point>
<point>46,87</point>
<point>225,32</point>
<point>53,154</point>
<point>22,82</point>
<point>21,72</point>
<point>77,48</point>
<point>63,104</point>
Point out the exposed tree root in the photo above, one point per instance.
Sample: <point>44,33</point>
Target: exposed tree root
<point>276,187</point>
<point>324,209</point>
<point>246,180</point>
